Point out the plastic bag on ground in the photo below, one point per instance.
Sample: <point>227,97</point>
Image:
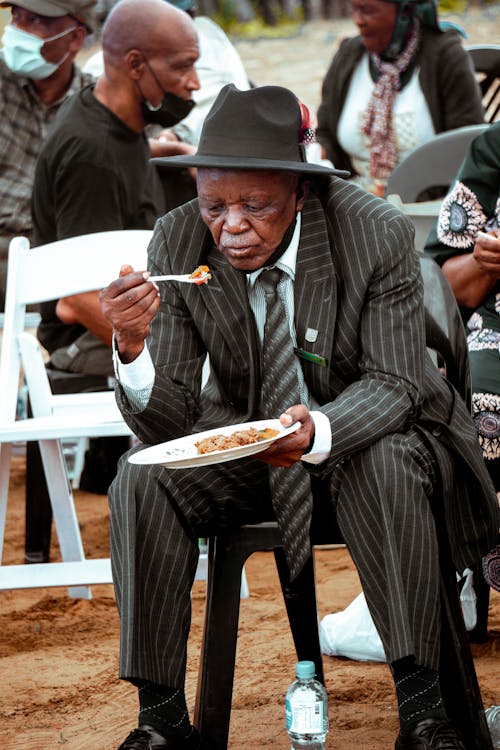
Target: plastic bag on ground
<point>351,633</point>
<point>468,599</point>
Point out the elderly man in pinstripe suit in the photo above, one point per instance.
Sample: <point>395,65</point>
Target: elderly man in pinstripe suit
<point>380,429</point>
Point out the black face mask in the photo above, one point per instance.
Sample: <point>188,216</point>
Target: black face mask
<point>172,110</point>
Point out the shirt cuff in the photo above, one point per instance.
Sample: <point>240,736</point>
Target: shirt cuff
<point>136,378</point>
<point>136,375</point>
<point>322,445</point>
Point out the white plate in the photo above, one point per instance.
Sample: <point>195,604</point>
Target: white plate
<point>182,452</point>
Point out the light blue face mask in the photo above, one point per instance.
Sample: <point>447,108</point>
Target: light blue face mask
<point>22,52</point>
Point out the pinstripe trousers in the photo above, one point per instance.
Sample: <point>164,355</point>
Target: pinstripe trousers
<point>381,498</point>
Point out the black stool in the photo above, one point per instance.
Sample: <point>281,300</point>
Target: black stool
<point>226,558</point>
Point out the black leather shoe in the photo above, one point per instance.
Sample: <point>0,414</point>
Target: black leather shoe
<point>147,738</point>
<point>430,734</point>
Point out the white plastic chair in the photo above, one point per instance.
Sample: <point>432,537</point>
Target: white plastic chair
<point>423,216</point>
<point>432,164</point>
<point>62,268</point>
<point>35,275</point>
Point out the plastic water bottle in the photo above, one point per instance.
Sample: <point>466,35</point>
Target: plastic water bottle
<point>493,719</point>
<point>306,710</point>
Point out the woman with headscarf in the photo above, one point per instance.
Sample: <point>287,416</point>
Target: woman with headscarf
<point>466,243</point>
<point>405,78</point>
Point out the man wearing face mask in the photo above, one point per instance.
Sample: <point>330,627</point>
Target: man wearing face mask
<point>37,74</point>
<point>94,172</point>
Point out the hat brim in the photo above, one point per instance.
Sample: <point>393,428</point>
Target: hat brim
<point>236,162</point>
<point>42,8</point>
<point>39,7</point>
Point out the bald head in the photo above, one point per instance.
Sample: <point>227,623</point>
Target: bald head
<point>152,26</point>
<point>150,49</point>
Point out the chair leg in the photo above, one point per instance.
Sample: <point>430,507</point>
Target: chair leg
<point>301,607</point>
<point>226,558</point>
<point>38,523</point>
<point>63,508</point>
<point>38,508</point>
<point>5,461</point>
<point>216,673</point>
<point>459,685</point>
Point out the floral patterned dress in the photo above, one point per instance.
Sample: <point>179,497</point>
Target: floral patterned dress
<point>473,204</point>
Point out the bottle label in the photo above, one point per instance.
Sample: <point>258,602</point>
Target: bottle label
<point>305,714</point>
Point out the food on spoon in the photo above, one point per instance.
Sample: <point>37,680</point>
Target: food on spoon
<point>234,440</point>
<point>202,273</point>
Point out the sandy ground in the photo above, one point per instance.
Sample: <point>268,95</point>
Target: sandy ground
<point>59,656</point>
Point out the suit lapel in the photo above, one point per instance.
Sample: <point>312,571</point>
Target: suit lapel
<point>315,297</point>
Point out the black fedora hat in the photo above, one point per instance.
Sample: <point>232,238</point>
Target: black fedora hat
<point>255,129</point>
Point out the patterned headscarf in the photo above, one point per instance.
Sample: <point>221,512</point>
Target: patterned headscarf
<point>394,60</point>
<point>426,12</point>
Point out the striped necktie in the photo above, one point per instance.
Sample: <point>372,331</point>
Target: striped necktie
<point>290,487</point>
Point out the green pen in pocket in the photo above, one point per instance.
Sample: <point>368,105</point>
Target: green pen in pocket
<point>310,357</point>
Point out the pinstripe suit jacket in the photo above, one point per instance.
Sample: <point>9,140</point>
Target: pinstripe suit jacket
<point>358,284</point>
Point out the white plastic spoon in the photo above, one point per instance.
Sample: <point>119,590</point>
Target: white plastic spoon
<point>186,278</point>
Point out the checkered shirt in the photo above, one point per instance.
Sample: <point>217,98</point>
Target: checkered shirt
<point>25,120</point>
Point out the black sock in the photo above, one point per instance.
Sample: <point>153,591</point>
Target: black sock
<point>164,708</point>
<point>418,692</point>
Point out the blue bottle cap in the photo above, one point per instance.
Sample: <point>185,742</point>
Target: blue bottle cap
<point>305,670</point>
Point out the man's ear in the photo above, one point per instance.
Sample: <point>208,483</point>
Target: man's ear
<point>134,61</point>
<point>302,193</point>
<point>78,36</point>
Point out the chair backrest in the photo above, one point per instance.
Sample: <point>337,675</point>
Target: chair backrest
<point>486,61</point>
<point>432,164</point>
<point>444,329</point>
<point>422,214</point>
<point>80,264</point>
